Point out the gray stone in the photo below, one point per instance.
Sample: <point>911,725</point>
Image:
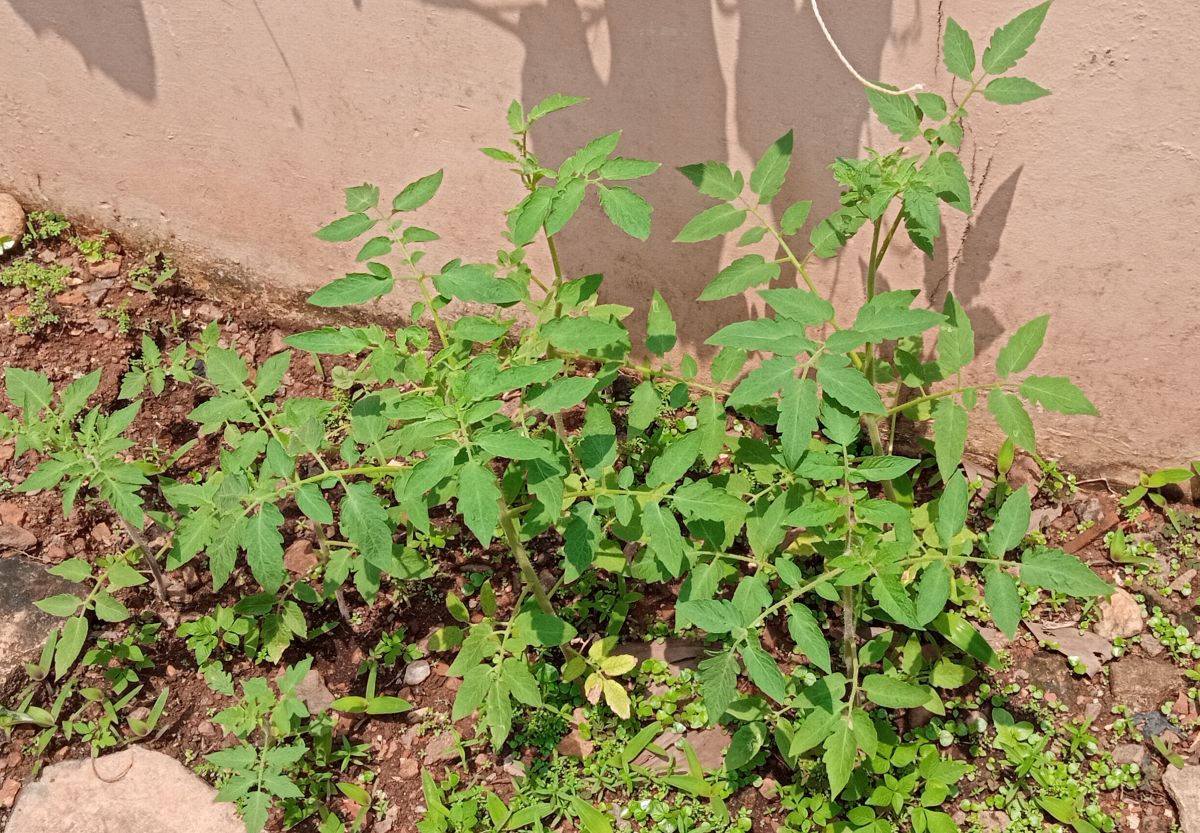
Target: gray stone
<point>417,672</point>
<point>1120,615</point>
<point>23,627</point>
<point>12,221</point>
<point>1129,753</point>
<point>134,790</point>
<point>313,693</point>
<point>13,537</point>
<point>1184,788</point>
<point>1145,684</point>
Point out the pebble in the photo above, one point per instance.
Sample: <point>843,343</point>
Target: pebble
<point>15,537</point>
<point>11,513</point>
<point>12,219</point>
<point>106,268</point>
<point>769,788</point>
<point>313,692</point>
<point>417,672</point>
<point>407,768</point>
<point>73,298</point>
<point>575,745</point>
<point>8,792</point>
<point>514,767</point>
<point>1120,616</point>
<point>300,557</point>
<point>101,532</point>
<point>443,747</point>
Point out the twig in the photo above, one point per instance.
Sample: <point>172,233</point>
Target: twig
<point>139,541</point>
<point>850,67</point>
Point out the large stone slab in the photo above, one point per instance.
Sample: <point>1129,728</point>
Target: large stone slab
<point>135,790</point>
<point>1184,787</point>
<point>23,627</point>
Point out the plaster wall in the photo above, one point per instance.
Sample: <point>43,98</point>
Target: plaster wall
<point>228,129</point>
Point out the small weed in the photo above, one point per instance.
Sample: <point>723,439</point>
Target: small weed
<point>44,225</point>
<point>41,283</point>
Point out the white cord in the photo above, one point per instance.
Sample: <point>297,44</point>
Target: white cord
<point>846,63</point>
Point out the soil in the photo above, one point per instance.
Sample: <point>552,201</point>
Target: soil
<point>92,334</point>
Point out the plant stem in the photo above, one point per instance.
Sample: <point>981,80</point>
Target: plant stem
<point>528,574</point>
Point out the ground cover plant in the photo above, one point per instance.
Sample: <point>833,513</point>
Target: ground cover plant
<point>836,583</point>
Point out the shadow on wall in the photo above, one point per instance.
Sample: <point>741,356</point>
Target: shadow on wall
<point>110,35</point>
<point>663,85</point>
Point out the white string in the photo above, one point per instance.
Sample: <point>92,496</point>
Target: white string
<point>846,63</point>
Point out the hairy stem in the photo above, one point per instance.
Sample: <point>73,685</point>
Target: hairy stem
<point>528,574</point>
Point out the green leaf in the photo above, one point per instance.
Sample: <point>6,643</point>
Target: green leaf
<point>568,196</point>
<point>949,436</point>
<point>109,609</point>
<point>264,547</point>
<point>932,105</point>
<point>956,338</point>
<point>621,168</point>
<point>1012,40</point>
<point>952,508</point>
<point>745,272</point>
<point>478,283</point>
<point>1013,90</point>
<point>1012,522</point>
<point>74,634</point>
<point>1003,600</point>
<point>710,223</point>
<point>1013,418</point>
<point>770,172</point>
<point>346,228</point>
<point>561,394</point>
<point>28,390</point>
<point>881,468</point>
<point>416,194</point>
<point>1057,393</point>
<point>894,694</point>
<point>714,179</point>
<point>764,673</point>
<point>584,335</point>
<point>552,104</point>
<point>590,157</point>
<point>958,52</point>
<point>752,235</point>
<point>894,598</point>
<point>888,316</point>
<point>898,113</point>
<point>360,198</point>
<point>527,218</point>
<point>627,211</point>
<point>225,368</point>
<point>356,288</point>
<point>73,570</point>
<point>64,604</point>
<point>718,684</point>
<point>832,233</point>
<point>848,386</point>
<point>807,634</point>
<point>477,500</point>
<point>798,409</point>
<point>770,335</point>
<point>922,216</point>
<point>800,305</point>
<point>364,521</point>
<point>795,217</point>
<point>660,326</point>
<point>1062,573</point>
<point>746,743</point>
<point>841,747</point>
<point>675,460</point>
<point>665,541</point>
<point>763,381</point>
<point>933,591</point>
<point>330,340</point>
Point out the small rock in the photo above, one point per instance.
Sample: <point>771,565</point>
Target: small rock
<point>8,792</point>
<point>12,220</point>
<point>407,768</point>
<point>135,789</point>
<point>15,537</point>
<point>1120,616</point>
<point>452,684</point>
<point>994,821</point>
<point>313,693</point>
<point>1025,472</point>
<point>1145,684</point>
<point>47,256</point>
<point>1091,650</point>
<point>73,298</point>
<point>102,533</point>
<point>514,767</point>
<point>1129,753</point>
<point>1090,508</point>
<point>575,745</point>
<point>300,557</point>
<point>442,747</point>
<point>417,672</point>
<point>102,326</point>
<point>276,345</point>
<point>209,311</point>
<point>385,824</point>
<point>97,290</point>
<point>708,744</point>
<point>1151,647</point>
<point>1184,580</point>
<point>769,788</point>
<point>10,513</point>
<point>1184,788</point>
<point>109,268</point>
